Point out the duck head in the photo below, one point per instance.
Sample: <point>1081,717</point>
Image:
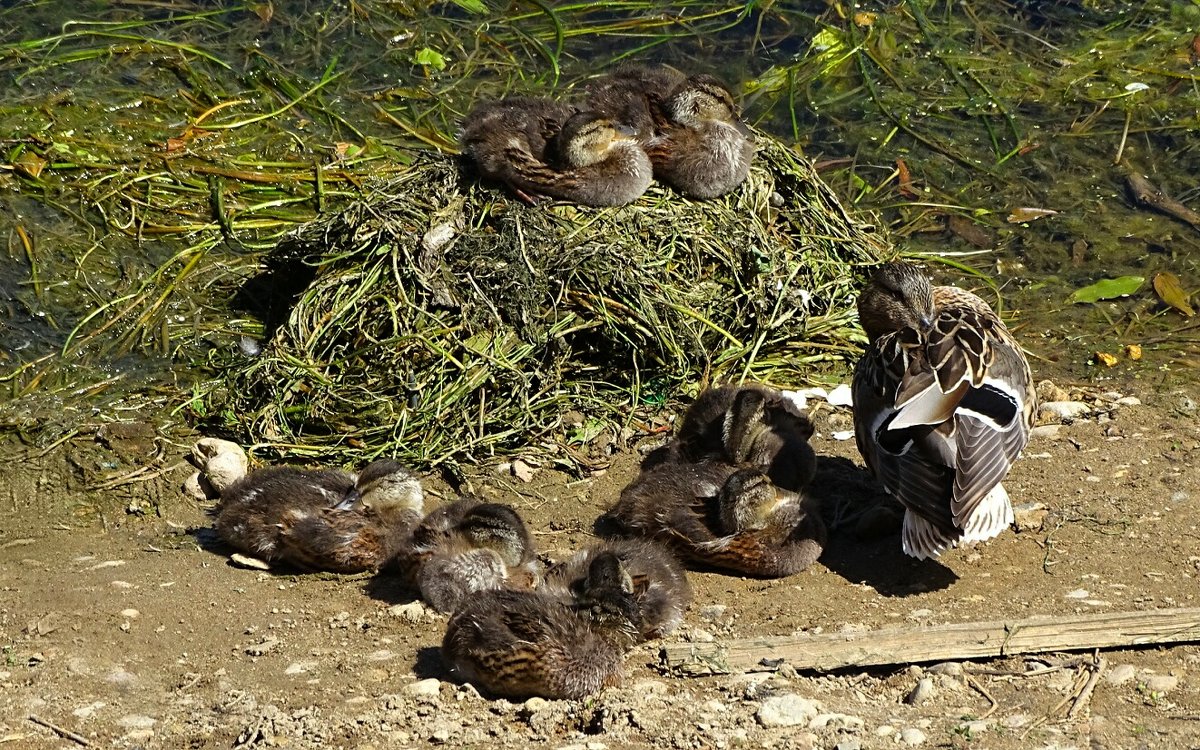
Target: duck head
<point>607,597</point>
<point>703,99</point>
<point>899,296</point>
<point>749,501</point>
<point>588,138</point>
<point>498,528</point>
<point>387,487</point>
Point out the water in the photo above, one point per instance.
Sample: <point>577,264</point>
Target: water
<point>153,149</point>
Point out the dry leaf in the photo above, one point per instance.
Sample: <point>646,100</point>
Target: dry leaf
<point>1133,351</point>
<point>1170,291</point>
<point>1022,215</point>
<point>30,164</point>
<point>1104,358</point>
<point>865,19</point>
<point>904,177</point>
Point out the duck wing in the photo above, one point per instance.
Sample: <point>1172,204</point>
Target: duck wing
<point>941,418</point>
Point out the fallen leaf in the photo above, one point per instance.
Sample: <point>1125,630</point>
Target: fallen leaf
<point>1122,286</point>
<point>1104,358</point>
<point>904,177</point>
<point>865,19</point>
<point>1022,215</point>
<point>1079,250</point>
<point>522,471</point>
<point>1170,291</point>
<point>970,231</point>
<point>30,164</point>
<point>1133,351</point>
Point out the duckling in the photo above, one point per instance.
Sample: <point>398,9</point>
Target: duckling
<point>520,644</point>
<point>700,145</point>
<point>943,405</point>
<point>724,516</point>
<point>542,148</point>
<point>660,585</point>
<point>469,546</point>
<point>321,520</point>
<point>748,424</point>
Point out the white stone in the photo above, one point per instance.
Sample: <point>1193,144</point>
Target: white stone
<point>921,692</point>
<point>1161,683</point>
<point>223,462</point>
<point>411,612</point>
<point>788,710</point>
<point>912,736</point>
<point>840,396</point>
<point>1045,432</point>
<point>1063,410</point>
<point>431,686</point>
<point>843,722</point>
<point>132,614</point>
<point>1077,594</point>
<point>136,721</point>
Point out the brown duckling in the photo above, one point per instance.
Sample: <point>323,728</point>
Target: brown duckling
<point>321,520</point>
<point>660,585</point>
<point>469,546</point>
<point>943,405</point>
<point>538,147</point>
<point>724,516</point>
<point>748,424</point>
<point>520,644</point>
<point>700,145</point>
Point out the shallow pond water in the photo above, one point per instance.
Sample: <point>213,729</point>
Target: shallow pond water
<point>153,151</point>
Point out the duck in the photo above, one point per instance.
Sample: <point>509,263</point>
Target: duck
<point>721,515</point>
<point>542,148</point>
<point>519,644</point>
<point>750,423</point>
<point>689,126</point>
<point>943,405</point>
<point>660,585</point>
<point>321,520</point>
<point>468,546</point>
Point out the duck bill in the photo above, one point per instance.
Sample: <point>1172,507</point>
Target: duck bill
<point>352,498</point>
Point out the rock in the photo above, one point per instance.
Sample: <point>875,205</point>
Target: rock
<point>1129,401</point>
<point>1180,496</point>
<point>912,736</point>
<point>1029,516</point>
<point>131,614</point>
<point>788,710</point>
<point>1160,683</point>
<point>1016,721</point>
<point>699,635</point>
<point>848,744</point>
<point>713,612</point>
<point>265,646</point>
<point>136,721</point>
<point>1045,432</point>
<point>535,704</point>
<point>300,667</point>
<point>1077,594</point>
<point>1048,391</point>
<point>921,692</point>
<point>1120,674</point>
<point>223,462</point>
<point>411,612</point>
<point>885,730</point>
<point>841,722</point>
<point>840,396</point>
<point>973,727</point>
<point>194,488</point>
<point>523,471</point>
<point>426,688</point>
<point>1063,411</point>
<point>951,668</point>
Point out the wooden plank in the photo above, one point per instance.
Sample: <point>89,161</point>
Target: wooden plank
<point>908,645</point>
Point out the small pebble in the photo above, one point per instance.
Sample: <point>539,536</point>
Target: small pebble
<point>920,693</point>
<point>1045,432</point>
<point>841,722</point>
<point>1063,411</point>
<point>912,736</point>
<point>1161,683</point>
<point>136,721</point>
<point>535,704</point>
<point>411,612</point>
<point>131,614</point>
<point>1077,594</point>
<point>429,687</point>
<point>951,668</point>
<point>850,744</point>
<point>885,730</point>
<point>973,727</point>
<point>713,612</point>
<point>788,710</point>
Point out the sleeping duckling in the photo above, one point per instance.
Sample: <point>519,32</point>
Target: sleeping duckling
<point>542,148</point>
<point>469,546</point>
<point>700,145</point>
<point>748,424</point>
<point>321,520</point>
<point>943,405</point>
<point>660,585</point>
<point>520,644</point>
<point>723,516</point>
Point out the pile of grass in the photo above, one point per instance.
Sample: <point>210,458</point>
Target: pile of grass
<point>444,319</point>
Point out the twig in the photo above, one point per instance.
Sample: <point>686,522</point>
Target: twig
<point>1085,695</point>
<point>984,692</point>
<point>64,733</point>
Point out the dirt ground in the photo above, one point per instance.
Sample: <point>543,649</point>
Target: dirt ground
<point>122,620</point>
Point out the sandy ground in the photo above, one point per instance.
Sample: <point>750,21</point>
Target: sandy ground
<point>123,622</point>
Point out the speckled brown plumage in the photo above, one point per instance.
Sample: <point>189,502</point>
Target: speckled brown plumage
<point>660,585</point>
<point>718,514</point>
<point>699,144</point>
<point>538,147</point>
<point>469,546</point>
<point>747,424</point>
<point>519,644</point>
<point>321,520</point>
<point>943,405</point>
